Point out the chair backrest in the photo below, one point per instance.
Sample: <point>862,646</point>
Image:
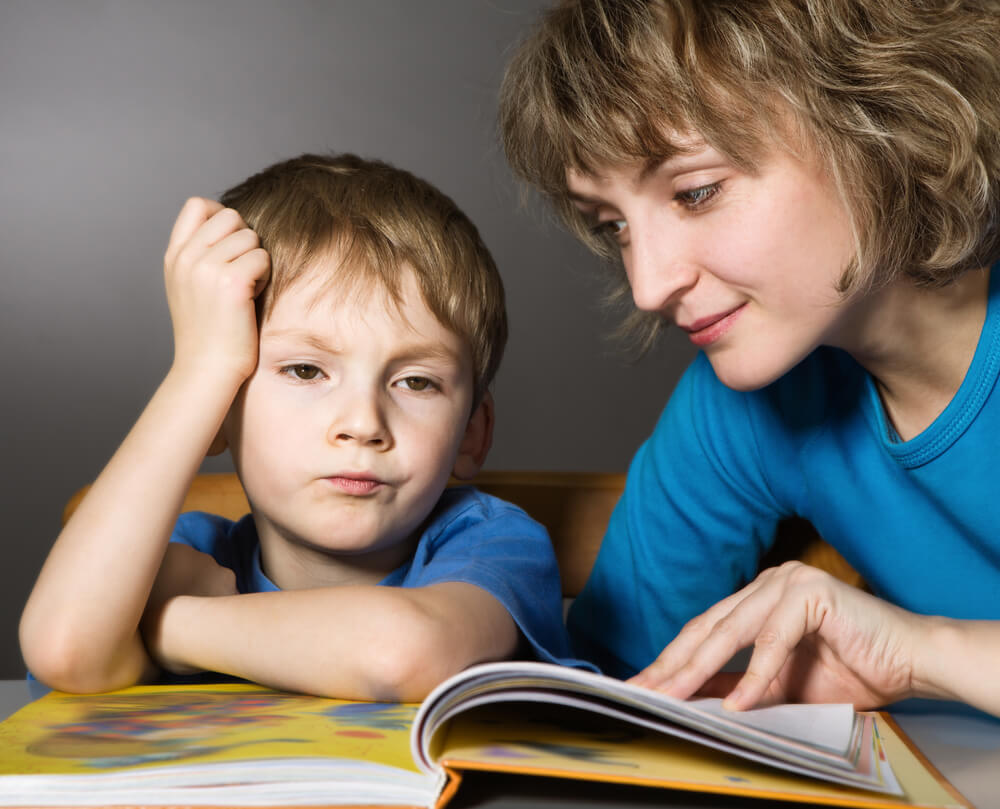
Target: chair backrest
<point>573,506</point>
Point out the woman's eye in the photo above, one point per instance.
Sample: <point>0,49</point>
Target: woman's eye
<point>416,383</point>
<point>697,197</point>
<point>611,227</point>
<point>302,371</point>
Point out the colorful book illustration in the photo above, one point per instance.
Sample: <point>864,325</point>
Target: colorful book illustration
<point>244,745</point>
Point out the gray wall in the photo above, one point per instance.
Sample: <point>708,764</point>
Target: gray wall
<point>114,112</point>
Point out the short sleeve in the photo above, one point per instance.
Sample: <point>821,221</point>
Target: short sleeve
<point>231,544</point>
<point>481,540</point>
<point>694,519</point>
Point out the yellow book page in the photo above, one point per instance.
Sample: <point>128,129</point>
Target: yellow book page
<point>595,748</point>
<point>152,726</point>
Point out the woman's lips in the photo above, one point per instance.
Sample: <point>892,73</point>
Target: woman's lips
<point>707,330</point>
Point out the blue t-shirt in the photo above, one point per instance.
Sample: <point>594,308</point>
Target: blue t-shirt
<point>469,537</point>
<point>918,519</point>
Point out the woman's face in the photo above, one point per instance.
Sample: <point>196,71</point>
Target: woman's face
<point>746,264</point>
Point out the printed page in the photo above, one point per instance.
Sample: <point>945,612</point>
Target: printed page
<point>500,680</point>
<point>156,744</point>
<point>588,746</point>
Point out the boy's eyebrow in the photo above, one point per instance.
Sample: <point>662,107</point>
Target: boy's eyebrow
<point>406,352</point>
<point>426,351</point>
<point>302,335</point>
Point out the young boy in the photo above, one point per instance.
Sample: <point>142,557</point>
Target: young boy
<point>337,323</point>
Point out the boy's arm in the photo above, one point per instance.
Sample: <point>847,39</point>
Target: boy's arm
<point>79,629</point>
<point>352,642</point>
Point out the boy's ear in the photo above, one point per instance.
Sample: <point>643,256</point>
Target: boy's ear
<point>219,443</point>
<point>477,440</point>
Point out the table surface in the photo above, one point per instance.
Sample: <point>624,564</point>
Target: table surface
<point>962,744</point>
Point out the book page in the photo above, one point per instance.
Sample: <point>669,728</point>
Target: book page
<point>574,744</point>
<point>826,726</point>
<point>236,744</point>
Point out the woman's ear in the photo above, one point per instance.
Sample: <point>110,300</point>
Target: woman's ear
<point>477,440</point>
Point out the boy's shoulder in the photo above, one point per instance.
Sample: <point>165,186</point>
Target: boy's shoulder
<point>463,513</point>
<point>470,525</point>
<point>465,501</point>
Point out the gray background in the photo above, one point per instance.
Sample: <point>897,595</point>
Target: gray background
<point>114,112</point>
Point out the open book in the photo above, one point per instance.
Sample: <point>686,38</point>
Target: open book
<point>245,745</point>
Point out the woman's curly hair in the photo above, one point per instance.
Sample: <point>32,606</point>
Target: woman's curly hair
<point>899,100</point>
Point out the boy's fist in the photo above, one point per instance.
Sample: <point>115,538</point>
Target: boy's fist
<point>214,268</point>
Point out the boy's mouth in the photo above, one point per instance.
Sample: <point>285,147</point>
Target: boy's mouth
<point>354,484</point>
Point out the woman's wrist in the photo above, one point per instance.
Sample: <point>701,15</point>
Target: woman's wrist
<point>938,648</point>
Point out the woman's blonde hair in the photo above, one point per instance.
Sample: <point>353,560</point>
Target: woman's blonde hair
<point>375,220</point>
<point>899,99</point>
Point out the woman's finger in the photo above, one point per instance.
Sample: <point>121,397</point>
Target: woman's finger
<point>801,611</point>
<point>735,631</point>
<point>661,673</point>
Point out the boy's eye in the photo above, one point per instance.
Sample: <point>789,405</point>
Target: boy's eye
<point>302,371</point>
<point>417,383</point>
<point>697,197</point>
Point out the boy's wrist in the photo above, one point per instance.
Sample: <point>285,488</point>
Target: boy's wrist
<point>169,633</point>
<point>209,371</point>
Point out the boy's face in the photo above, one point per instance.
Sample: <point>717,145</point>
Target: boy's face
<point>346,434</point>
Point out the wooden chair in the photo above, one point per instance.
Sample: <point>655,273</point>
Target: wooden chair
<point>573,506</point>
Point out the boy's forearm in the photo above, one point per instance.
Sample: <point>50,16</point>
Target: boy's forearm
<point>79,627</point>
<point>382,643</point>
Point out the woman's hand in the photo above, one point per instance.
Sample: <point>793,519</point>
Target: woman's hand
<point>214,268</point>
<point>815,639</point>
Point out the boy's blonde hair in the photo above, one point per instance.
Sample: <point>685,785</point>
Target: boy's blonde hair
<point>897,98</point>
<point>377,219</point>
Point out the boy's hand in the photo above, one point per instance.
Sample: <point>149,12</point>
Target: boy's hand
<point>214,268</point>
<point>184,572</point>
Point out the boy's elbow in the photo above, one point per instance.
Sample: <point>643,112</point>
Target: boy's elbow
<point>412,659</point>
<point>65,662</point>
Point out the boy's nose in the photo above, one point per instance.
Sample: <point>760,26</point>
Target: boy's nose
<point>360,419</point>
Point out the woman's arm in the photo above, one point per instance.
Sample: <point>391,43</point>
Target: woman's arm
<point>816,639</point>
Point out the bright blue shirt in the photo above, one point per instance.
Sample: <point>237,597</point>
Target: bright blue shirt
<point>918,519</point>
<point>469,537</point>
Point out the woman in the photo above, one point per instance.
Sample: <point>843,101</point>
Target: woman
<point>811,190</point>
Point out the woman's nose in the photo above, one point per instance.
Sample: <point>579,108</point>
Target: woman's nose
<point>658,272</point>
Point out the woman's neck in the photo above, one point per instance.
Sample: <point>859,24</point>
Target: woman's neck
<point>918,344</point>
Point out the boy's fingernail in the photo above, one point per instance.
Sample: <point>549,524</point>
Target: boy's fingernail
<point>732,701</point>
